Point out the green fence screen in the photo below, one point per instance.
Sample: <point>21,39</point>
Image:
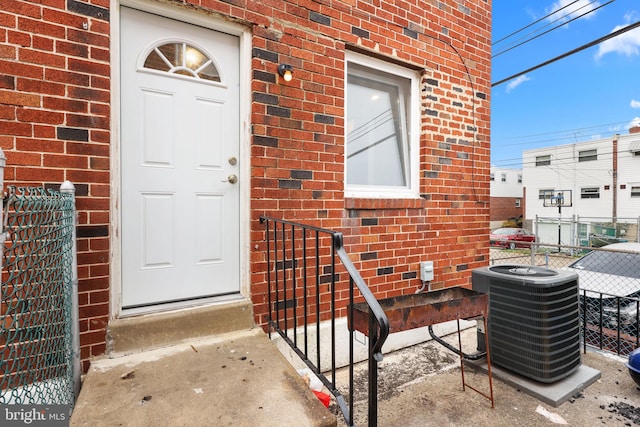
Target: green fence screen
<point>36,297</point>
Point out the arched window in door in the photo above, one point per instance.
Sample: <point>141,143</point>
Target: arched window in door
<point>183,59</point>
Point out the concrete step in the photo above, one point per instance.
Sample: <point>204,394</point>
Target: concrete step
<point>203,366</point>
<point>145,332</point>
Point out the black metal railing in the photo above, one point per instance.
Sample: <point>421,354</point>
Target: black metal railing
<point>610,322</point>
<point>307,272</point>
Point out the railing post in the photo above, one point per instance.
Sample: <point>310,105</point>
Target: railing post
<point>3,163</point>
<point>373,375</point>
<point>68,187</point>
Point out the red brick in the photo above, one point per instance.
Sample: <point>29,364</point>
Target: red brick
<point>17,98</point>
<point>72,78</point>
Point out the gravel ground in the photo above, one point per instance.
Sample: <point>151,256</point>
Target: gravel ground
<point>422,386</point>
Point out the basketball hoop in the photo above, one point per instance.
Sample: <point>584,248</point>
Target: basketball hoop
<point>557,198</point>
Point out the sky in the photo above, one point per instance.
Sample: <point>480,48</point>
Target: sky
<point>592,94</point>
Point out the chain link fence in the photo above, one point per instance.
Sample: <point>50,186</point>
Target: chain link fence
<point>36,298</point>
<point>609,281</point>
<point>585,231</point>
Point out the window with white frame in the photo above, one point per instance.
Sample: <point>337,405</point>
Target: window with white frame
<point>543,160</point>
<point>546,193</point>
<point>381,129</point>
<point>590,193</point>
<point>587,155</point>
<point>492,177</point>
<point>635,191</point>
<point>519,178</point>
<point>518,202</point>
<point>503,177</point>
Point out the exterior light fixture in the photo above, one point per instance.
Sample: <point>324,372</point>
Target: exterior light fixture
<point>286,72</point>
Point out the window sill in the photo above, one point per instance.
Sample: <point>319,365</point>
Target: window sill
<point>367,203</point>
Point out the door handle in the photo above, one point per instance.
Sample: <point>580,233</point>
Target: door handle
<point>232,179</point>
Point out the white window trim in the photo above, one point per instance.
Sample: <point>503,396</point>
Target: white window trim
<point>411,191</point>
<point>546,193</point>
<point>542,160</point>
<point>590,155</point>
<point>589,192</point>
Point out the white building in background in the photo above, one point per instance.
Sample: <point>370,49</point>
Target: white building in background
<point>603,176</point>
<point>506,195</point>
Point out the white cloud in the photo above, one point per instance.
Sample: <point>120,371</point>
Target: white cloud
<point>635,103</point>
<point>626,43</point>
<point>516,82</point>
<point>582,7</point>
<point>634,123</point>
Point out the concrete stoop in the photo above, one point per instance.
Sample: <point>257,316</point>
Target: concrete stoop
<point>234,378</point>
<point>133,334</point>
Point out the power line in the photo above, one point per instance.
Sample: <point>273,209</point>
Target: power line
<point>556,27</point>
<point>560,139</point>
<point>534,23</point>
<point>562,160</point>
<point>571,52</point>
<point>573,131</point>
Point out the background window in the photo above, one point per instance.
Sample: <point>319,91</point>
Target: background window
<point>378,135</point>
<point>543,160</point>
<point>587,155</point>
<point>519,178</point>
<point>492,177</point>
<point>590,193</point>
<point>635,191</point>
<point>547,193</point>
<point>503,177</point>
<point>518,203</point>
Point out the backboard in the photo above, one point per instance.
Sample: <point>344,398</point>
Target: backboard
<point>557,198</point>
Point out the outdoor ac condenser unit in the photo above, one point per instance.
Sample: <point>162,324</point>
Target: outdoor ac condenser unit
<point>534,319</point>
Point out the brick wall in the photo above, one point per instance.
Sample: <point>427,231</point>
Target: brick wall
<point>298,142</point>
<point>504,208</point>
<point>55,125</point>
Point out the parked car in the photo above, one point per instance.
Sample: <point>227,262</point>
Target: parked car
<point>509,237</point>
<point>611,277</point>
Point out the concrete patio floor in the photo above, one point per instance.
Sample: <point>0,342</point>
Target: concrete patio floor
<point>234,379</point>
<point>421,386</point>
<point>241,379</point>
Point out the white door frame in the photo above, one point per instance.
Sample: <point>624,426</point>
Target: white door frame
<point>206,21</point>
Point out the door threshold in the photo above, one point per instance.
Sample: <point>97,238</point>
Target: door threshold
<point>179,305</point>
<point>160,329</point>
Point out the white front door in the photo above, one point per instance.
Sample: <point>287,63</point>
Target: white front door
<point>179,161</point>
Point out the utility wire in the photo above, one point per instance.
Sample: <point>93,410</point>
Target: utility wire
<point>562,160</point>
<point>558,139</point>
<point>563,17</point>
<point>533,23</point>
<point>554,28</point>
<point>571,52</point>
<point>567,131</point>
